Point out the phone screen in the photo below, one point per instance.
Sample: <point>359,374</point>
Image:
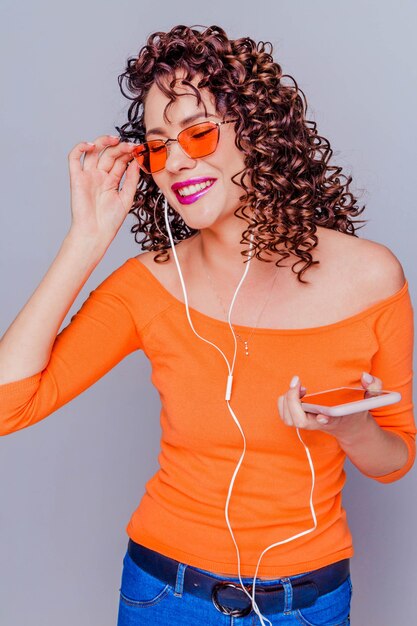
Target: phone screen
<point>341,396</point>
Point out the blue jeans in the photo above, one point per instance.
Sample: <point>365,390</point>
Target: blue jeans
<point>146,600</point>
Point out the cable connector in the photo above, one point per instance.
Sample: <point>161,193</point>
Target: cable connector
<point>229,388</point>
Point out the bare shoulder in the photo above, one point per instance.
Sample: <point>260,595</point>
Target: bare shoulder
<point>385,272</point>
<point>159,270</point>
<point>371,268</point>
<point>166,272</point>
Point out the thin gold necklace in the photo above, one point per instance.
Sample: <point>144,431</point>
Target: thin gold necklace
<point>245,342</point>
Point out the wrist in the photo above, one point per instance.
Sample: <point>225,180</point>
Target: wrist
<point>87,245</point>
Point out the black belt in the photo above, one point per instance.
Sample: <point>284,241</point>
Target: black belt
<point>228,597</point>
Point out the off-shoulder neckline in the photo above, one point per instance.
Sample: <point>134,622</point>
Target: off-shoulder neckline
<point>221,323</point>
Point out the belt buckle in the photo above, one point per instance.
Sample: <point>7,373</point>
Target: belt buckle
<point>242,612</point>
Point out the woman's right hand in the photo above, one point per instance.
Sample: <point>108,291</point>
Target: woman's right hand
<point>98,211</point>
<point>98,206</point>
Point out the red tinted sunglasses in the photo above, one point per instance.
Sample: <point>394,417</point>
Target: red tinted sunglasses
<point>197,141</point>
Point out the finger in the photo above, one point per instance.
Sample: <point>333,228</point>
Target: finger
<point>130,183</point>
<point>318,421</point>
<point>101,143</point>
<point>120,164</point>
<point>287,412</point>
<point>371,382</point>
<point>322,419</point>
<point>297,414</point>
<point>111,154</point>
<point>74,157</point>
<point>282,411</point>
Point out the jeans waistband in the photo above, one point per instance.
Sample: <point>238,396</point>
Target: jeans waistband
<point>228,597</point>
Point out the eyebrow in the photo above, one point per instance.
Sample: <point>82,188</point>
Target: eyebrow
<point>183,123</point>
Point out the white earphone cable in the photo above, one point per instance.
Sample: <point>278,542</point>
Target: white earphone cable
<point>230,369</point>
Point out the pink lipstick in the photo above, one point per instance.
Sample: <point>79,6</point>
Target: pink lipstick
<point>192,197</point>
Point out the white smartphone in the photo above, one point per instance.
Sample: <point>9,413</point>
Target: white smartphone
<point>347,400</point>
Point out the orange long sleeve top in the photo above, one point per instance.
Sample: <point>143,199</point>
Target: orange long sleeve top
<point>181,513</point>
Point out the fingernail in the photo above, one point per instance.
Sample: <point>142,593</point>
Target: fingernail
<point>322,420</point>
<point>367,377</point>
<point>294,381</point>
<point>303,388</point>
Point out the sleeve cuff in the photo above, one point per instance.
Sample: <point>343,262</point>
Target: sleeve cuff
<point>399,473</point>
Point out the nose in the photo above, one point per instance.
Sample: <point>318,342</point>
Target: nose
<point>177,159</point>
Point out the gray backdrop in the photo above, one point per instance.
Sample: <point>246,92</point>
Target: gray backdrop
<point>69,484</point>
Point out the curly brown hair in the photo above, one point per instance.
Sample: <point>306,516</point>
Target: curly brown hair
<point>289,187</point>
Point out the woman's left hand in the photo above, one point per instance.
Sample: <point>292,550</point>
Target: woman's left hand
<point>292,414</point>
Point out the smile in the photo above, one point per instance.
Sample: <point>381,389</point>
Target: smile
<point>187,194</point>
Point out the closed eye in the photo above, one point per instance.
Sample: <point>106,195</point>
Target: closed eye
<point>159,147</point>
<point>202,133</point>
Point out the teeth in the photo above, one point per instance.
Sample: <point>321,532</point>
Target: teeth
<point>188,191</point>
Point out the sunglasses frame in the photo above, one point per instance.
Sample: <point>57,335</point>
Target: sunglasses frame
<point>166,142</point>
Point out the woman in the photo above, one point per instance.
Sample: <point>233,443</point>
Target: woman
<point>252,229</point>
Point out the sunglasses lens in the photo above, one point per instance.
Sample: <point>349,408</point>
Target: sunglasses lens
<point>199,140</point>
<point>151,156</point>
